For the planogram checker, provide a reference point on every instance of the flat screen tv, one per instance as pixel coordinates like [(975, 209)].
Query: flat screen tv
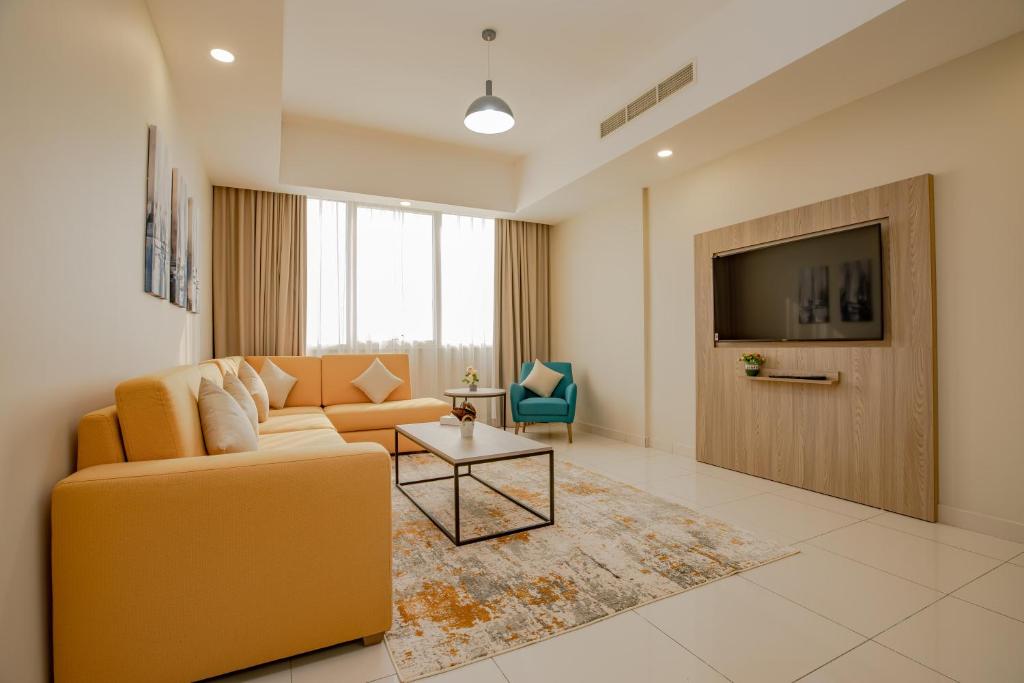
[(823, 287)]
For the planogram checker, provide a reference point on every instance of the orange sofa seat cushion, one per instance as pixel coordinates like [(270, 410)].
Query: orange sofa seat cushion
[(285, 420), (356, 417), (385, 437), (340, 370), (305, 369), (307, 438)]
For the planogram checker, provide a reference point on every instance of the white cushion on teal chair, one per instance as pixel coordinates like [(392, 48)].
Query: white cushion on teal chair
[(542, 380)]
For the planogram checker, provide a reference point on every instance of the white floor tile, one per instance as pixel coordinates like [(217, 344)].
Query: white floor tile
[(1001, 590), (928, 563), (278, 672), (963, 641), (480, 672), (349, 662), (749, 633), (982, 544), (863, 599), (875, 664), (640, 470), (779, 517), (831, 503), (623, 648), (1019, 560), (738, 477), (699, 491)]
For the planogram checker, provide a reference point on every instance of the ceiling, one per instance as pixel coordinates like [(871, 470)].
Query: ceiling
[(365, 100), (415, 69)]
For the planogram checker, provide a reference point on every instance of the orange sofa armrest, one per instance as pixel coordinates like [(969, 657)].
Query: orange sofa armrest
[(185, 568)]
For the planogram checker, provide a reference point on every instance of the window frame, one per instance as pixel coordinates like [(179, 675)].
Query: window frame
[(352, 267)]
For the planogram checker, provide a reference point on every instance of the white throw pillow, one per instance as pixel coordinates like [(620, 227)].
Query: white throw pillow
[(542, 380), (278, 382), (226, 429), (257, 389), (377, 382), (237, 390)]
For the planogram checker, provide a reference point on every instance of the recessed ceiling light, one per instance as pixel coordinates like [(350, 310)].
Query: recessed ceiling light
[(404, 203), (665, 153), (222, 55)]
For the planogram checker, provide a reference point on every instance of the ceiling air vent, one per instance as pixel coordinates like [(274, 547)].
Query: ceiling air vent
[(652, 97), (613, 122), (675, 82), (642, 104)]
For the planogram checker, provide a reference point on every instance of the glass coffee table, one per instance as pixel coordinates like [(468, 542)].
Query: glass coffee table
[(488, 444)]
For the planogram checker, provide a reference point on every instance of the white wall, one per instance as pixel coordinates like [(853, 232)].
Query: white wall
[(335, 156), (597, 314), (80, 82), (961, 122)]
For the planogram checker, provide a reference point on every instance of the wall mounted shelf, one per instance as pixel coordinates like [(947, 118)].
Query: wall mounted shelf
[(796, 376)]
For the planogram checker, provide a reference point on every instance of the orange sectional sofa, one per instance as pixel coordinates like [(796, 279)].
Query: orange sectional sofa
[(171, 565)]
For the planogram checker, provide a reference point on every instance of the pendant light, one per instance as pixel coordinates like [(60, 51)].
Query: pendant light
[(489, 114)]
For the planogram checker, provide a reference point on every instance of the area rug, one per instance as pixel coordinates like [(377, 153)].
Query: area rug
[(613, 547)]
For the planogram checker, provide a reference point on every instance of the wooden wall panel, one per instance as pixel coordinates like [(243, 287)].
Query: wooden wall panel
[(871, 438)]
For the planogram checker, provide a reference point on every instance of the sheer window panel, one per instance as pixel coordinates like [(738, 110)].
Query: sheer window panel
[(467, 281), (394, 275), (326, 274)]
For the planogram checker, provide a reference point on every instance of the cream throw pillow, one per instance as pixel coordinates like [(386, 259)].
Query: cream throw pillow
[(226, 429), (237, 390), (542, 380), (377, 382), (257, 389), (278, 382)]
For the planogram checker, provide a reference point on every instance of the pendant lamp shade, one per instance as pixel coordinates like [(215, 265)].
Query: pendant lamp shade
[(489, 114)]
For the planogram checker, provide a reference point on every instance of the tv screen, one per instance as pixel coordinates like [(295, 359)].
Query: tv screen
[(825, 287)]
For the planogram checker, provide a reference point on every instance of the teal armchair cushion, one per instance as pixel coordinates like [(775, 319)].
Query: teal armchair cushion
[(559, 407), (543, 406)]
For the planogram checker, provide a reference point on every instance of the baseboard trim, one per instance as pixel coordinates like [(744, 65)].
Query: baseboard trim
[(664, 445), (673, 447), (982, 523), (617, 435)]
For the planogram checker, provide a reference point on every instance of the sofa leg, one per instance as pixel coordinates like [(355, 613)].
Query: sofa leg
[(568, 428), (375, 639)]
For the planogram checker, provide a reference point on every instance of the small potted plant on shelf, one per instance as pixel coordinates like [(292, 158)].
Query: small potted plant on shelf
[(471, 378), (752, 363)]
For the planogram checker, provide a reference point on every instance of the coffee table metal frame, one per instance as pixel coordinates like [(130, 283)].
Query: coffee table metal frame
[(456, 537)]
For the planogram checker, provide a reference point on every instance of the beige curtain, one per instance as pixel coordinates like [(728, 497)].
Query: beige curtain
[(521, 324), (259, 272)]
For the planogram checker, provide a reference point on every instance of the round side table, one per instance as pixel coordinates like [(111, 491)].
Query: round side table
[(481, 392)]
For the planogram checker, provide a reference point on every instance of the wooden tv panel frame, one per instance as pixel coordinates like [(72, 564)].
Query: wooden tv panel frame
[(870, 436)]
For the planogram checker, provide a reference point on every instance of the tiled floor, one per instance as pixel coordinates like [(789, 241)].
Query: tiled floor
[(872, 597)]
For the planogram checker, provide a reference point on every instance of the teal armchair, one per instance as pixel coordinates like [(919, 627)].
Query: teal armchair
[(528, 407)]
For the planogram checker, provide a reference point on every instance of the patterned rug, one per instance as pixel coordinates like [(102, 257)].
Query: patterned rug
[(613, 547)]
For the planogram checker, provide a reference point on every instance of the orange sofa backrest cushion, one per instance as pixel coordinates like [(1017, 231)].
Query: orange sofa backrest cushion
[(340, 370), (159, 413), (305, 369)]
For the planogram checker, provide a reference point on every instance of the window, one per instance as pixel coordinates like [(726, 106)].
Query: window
[(326, 274), (467, 280), (393, 278), (394, 275)]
